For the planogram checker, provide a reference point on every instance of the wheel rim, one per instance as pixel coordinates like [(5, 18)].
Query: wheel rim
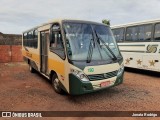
[(30, 68), (56, 84)]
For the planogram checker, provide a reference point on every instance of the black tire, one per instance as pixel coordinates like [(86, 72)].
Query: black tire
[(31, 69), (56, 84)]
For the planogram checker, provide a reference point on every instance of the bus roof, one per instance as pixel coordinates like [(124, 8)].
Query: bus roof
[(136, 23), (60, 20)]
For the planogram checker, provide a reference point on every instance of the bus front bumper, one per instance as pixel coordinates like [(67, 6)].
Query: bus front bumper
[(77, 87)]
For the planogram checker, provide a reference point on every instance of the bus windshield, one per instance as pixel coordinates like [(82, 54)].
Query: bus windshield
[(81, 41)]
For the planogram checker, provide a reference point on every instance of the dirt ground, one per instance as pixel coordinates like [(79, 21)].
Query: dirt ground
[(21, 90)]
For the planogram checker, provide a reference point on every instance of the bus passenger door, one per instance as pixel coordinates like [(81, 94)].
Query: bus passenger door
[(44, 39)]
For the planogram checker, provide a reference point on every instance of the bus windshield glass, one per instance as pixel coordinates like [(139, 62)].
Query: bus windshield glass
[(82, 42)]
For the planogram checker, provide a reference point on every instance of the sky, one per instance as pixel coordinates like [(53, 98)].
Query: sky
[(17, 16)]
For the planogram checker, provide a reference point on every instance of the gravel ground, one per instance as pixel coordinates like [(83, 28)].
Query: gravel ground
[(21, 90)]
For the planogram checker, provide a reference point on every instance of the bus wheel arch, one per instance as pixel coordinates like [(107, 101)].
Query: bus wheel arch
[(55, 83)]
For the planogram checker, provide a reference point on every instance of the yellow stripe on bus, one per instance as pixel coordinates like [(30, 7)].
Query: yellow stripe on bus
[(57, 66), (32, 56)]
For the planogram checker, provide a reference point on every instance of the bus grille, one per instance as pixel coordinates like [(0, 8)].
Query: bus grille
[(102, 76)]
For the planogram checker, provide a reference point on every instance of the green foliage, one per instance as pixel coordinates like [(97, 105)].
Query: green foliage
[(105, 21)]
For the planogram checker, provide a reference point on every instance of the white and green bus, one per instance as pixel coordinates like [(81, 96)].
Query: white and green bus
[(139, 44), (77, 56)]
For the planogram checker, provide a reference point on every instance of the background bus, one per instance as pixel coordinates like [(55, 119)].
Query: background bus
[(77, 56), (139, 44)]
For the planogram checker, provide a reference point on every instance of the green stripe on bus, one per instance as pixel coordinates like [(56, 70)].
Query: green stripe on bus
[(133, 51), (132, 45)]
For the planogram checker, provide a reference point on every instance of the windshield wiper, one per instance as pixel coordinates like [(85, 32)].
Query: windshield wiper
[(90, 52), (103, 42)]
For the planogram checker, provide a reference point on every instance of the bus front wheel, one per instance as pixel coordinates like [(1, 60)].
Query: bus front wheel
[(56, 84)]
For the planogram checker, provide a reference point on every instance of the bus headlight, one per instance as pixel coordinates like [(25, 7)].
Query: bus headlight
[(75, 72), (121, 69), (80, 75)]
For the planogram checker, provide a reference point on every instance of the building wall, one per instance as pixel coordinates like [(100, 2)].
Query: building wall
[(5, 55), (10, 48), (10, 53)]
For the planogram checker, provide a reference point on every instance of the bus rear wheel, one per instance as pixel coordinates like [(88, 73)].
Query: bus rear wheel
[(31, 69), (56, 84)]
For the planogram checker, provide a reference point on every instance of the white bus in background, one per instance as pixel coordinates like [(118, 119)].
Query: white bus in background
[(139, 44)]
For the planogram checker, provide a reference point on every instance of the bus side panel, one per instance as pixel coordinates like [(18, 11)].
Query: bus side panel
[(57, 64), (32, 55), (151, 62), (141, 55)]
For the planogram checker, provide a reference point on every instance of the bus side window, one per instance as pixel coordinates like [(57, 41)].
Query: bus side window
[(144, 32), (132, 33), (35, 39), (56, 41), (157, 32), (119, 34), (56, 44), (25, 39), (53, 42), (148, 32)]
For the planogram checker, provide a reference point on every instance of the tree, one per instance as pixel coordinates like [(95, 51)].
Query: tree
[(105, 21)]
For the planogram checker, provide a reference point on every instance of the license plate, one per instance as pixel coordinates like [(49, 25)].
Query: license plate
[(104, 84)]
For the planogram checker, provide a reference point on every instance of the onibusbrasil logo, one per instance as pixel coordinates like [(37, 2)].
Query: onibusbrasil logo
[(21, 114)]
